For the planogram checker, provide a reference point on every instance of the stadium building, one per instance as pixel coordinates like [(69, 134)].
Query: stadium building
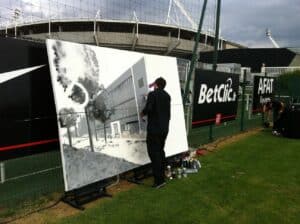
[(164, 27), (160, 27)]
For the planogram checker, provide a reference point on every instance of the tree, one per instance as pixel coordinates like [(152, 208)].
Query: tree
[(101, 110), (68, 118)]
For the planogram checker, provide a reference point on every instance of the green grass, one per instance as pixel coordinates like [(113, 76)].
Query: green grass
[(255, 180), (25, 207)]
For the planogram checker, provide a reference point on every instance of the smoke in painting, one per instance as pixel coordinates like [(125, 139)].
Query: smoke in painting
[(99, 93)]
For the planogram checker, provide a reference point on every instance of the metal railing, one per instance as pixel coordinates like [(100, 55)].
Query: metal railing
[(277, 71)]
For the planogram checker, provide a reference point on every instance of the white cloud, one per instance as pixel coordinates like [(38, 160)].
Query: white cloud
[(246, 22)]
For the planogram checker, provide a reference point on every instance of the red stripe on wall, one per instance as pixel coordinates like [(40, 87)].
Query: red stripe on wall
[(19, 146), (213, 119), (203, 121), (229, 116)]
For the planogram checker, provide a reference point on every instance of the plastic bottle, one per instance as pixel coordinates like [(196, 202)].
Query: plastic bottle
[(173, 174), (179, 173), (184, 174), (169, 173)]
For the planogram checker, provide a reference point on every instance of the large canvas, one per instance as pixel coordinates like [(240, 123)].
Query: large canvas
[(99, 93)]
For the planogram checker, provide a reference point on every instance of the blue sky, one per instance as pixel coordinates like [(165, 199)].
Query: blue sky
[(242, 21)]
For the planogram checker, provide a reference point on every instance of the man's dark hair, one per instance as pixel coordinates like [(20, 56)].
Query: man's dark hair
[(160, 82)]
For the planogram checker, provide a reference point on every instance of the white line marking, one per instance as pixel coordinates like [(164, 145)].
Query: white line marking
[(6, 76)]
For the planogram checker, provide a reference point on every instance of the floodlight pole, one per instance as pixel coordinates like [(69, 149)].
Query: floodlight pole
[(244, 73), (216, 44), (195, 54)]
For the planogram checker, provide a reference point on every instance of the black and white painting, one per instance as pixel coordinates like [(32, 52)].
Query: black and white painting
[(99, 93)]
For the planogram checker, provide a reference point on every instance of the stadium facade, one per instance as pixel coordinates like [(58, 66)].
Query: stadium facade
[(166, 27)]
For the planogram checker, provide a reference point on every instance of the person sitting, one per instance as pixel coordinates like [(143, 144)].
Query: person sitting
[(279, 116), (267, 110)]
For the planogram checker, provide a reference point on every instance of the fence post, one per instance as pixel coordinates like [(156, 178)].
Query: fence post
[(243, 99), (211, 133), (2, 173), (195, 54), (215, 55), (262, 110)]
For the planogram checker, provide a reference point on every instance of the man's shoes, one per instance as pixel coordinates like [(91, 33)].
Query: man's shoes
[(275, 133), (157, 186)]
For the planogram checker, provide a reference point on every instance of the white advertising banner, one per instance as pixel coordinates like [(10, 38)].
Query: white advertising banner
[(99, 93)]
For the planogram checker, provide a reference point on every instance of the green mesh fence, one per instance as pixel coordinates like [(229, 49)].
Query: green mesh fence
[(31, 178), (28, 181), (200, 136)]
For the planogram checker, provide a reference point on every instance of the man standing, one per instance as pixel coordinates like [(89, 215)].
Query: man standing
[(157, 110)]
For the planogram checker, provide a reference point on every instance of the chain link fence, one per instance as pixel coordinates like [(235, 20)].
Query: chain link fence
[(29, 182)]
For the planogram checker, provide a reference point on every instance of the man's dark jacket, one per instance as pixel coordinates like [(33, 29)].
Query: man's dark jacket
[(158, 111)]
